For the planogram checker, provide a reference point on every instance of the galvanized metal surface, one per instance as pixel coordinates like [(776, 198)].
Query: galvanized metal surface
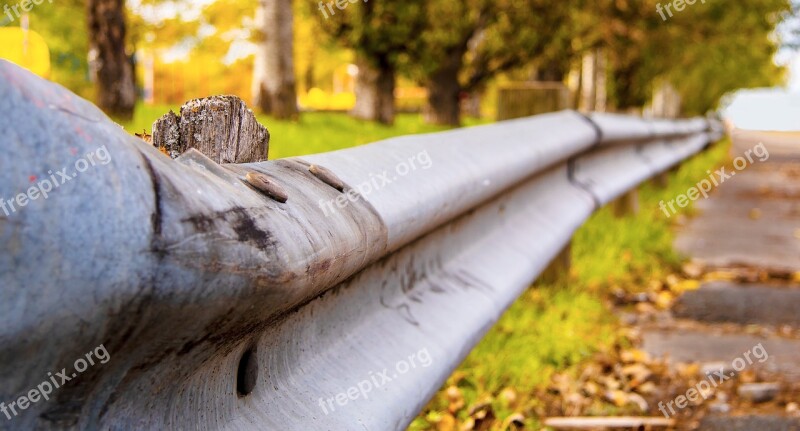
[(180, 267)]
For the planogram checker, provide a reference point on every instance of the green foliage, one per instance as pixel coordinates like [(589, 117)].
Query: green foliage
[(382, 32), (63, 26), (721, 47), (496, 36), (704, 51)]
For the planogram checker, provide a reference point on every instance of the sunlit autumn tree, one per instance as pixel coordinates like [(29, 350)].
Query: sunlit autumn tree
[(110, 63), (383, 34), (482, 39)]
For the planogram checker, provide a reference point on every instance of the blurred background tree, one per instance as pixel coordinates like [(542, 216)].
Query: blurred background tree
[(483, 38), (110, 63), (384, 36), (274, 87), (439, 56)]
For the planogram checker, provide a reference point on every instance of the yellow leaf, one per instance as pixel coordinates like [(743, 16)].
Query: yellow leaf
[(634, 355), (686, 285), (619, 398), (664, 300), (720, 276)]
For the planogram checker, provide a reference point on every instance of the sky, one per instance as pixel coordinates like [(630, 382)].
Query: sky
[(775, 109)]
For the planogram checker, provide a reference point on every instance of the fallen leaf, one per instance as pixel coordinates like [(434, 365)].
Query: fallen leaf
[(685, 286), (509, 395), (664, 300), (446, 423), (637, 373), (618, 398), (591, 388), (634, 355), (693, 269), (720, 276), (455, 398), (646, 388)]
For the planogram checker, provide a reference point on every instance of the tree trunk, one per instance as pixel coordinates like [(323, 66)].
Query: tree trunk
[(109, 63), (274, 86), (443, 92), (601, 81), (549, 72), (588, 82), (666, 101), (375, 92)]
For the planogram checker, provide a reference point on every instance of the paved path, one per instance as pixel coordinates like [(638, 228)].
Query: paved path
[(753, 218), (750, 222)]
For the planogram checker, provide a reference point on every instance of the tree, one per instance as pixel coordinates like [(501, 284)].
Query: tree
[(724, 47), (384, 34), (703, 51), (68, 48), (483, 38), (274, 83), (110, 64)]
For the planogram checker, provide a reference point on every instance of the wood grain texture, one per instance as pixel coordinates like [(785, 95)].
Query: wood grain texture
[(221, 127)]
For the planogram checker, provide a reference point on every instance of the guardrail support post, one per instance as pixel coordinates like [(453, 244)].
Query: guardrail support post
[(559, 267), (627, 204), (661, 180)]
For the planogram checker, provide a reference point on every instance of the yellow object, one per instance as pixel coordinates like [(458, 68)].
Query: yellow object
[(25, 48), (319, 100)]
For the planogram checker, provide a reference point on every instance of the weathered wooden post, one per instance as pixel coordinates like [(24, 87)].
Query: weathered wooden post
[(627, 204), (661, 180), (221, 127), (559, 267)]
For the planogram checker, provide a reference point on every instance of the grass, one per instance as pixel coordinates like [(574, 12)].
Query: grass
[(315, 132)]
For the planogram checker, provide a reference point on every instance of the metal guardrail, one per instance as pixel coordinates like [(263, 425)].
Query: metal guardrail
[(221, 307)]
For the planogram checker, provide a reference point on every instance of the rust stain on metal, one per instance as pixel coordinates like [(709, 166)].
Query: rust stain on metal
[(265, 185), (327, 177)]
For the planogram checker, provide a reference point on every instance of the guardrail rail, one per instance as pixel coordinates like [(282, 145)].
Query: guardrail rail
[(228, 306)]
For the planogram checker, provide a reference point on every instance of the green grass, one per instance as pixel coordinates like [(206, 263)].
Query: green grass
[(315, 132)]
